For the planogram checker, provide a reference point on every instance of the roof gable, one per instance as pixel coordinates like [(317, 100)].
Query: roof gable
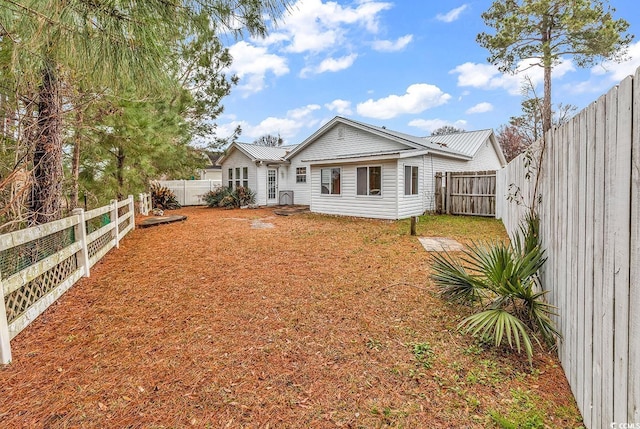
[(258, 153), (467, 142)]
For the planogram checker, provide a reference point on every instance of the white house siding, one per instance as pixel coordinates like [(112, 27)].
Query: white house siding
[(239, 159), (301, 191), (411, 205), (350, 204)]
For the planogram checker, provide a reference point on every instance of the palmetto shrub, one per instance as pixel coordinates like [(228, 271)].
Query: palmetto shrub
[(163, 197), (501, 282), (225, 197)]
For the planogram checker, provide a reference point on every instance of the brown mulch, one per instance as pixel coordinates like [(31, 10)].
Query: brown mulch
[(241, 318)]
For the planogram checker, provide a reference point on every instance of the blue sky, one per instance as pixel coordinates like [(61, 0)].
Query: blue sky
[(409, 66)]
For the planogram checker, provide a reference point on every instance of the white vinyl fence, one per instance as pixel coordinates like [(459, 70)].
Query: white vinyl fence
[(39, 264), (590, 227), (190, 192)]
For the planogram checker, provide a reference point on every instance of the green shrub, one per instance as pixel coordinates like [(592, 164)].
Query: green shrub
[(224, 197), (163, 198), (501, 282)]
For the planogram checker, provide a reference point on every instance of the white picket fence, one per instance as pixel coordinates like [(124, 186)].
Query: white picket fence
[(590, 227), (190, 192), (39, 264)]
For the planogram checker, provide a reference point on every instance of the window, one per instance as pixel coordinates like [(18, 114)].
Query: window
[(230, 178), (245, 177), (237, 177), (369, 180), (410, 180), (301, 175), (330, 181)]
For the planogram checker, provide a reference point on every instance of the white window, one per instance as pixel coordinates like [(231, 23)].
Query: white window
[(237, 177), (230, 178), (369, 180), (330, 181), (301, 175), (410, 180), (245, 177)]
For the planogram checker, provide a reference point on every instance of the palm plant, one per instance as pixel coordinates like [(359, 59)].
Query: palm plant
[(501, 280)]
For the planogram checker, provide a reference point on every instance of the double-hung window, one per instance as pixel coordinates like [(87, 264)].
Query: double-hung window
[(245, 177), (330, 181), (237, 177), (410, 180), (230, 178), (369, 180), (301, 175)]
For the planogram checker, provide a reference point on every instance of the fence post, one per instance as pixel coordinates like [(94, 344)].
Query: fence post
[(132, 212), (115, 220), (448, 193), (81, 234), (5, 338)]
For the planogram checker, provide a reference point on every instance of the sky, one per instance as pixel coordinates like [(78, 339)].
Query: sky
[(411, 66)]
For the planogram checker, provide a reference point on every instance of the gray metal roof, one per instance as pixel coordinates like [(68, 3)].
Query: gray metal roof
[(467, 142), (265, 153)]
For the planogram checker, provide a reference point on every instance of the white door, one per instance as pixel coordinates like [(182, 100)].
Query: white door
[(272, 186)]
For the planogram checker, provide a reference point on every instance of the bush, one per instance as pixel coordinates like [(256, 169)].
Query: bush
[(224, 197), (501, 282), (163, 198)]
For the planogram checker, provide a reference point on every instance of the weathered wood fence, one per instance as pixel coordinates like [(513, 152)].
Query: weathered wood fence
[(39, 264), (590, 226), (190, 192), (466, 193)]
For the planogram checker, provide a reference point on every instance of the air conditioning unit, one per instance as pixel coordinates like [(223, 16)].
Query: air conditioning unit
[(285, 198)]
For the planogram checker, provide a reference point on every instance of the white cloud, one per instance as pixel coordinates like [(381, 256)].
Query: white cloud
[(619, 71), (252, 63), (430, 125), (315, 26), (452, 15), (341, 107), (287, 127), (480, 108), (488, 77), (330, 65), (392, 46), (418, 98)]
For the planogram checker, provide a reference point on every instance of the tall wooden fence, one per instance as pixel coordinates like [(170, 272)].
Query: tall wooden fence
[(466, 193), (590, 226), (39, 264)]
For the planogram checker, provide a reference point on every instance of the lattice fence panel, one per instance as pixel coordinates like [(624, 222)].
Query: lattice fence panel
[(98, 222), (124, 224), (20, 257), (96, 245), (20, 300)]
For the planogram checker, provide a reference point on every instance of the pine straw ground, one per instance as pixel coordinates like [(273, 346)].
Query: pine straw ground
[(318, 322)]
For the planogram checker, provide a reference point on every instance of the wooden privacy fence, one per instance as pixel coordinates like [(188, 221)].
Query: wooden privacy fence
[(590, 226), (466, 193), (39, 264), (190, 192)]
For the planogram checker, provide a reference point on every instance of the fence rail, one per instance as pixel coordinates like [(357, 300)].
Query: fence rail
[(39, 264), (590, 225), (466, 193)]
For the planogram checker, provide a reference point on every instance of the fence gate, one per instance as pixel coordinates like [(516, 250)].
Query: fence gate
[(466, 193)]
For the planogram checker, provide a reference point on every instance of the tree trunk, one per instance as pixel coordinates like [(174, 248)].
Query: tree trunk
[(120, 158), (75, 165), (46, 195), (546, 104)]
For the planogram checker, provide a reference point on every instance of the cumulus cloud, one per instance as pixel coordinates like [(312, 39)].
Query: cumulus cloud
[(488, 77), (287, 127), (341, 107), (480, 108), (252, 63), (619, 71), (315, 26), (392, 45), (330, 65), (430, 125), (418, 98), (452, 15)]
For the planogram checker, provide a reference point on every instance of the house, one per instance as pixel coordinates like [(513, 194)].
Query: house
[(212, 170), (356, 169)]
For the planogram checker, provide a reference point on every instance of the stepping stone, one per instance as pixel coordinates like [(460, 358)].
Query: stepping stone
[(160, 220), (440, 244)]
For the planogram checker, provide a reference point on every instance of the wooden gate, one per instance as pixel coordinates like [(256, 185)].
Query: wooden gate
[(466, 193)]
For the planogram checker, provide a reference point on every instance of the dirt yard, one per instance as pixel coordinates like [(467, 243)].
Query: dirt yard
[(245, 319)]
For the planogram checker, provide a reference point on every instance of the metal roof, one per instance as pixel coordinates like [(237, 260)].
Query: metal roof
[(467, 142), (265, 153)]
